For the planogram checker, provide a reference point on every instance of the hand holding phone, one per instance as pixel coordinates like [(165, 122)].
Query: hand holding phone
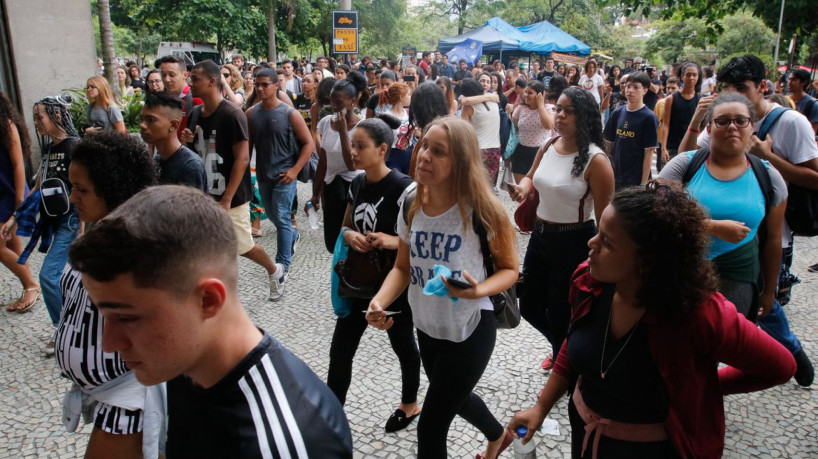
[(458, 283)]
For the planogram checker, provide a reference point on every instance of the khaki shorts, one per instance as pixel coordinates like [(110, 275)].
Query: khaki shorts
[(241, 223)]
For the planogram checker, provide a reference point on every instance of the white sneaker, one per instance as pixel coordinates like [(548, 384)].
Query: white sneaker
[(277, 282)]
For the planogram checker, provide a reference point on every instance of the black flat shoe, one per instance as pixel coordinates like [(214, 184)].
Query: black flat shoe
[(399, 421)]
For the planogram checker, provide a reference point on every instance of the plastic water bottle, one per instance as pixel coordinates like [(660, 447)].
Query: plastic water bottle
[(313, 215), (521, 451)]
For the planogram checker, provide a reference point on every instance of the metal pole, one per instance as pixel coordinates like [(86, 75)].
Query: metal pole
[(778, 36), (346, 5)]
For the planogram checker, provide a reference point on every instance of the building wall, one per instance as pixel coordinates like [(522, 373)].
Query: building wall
[(52, 43)]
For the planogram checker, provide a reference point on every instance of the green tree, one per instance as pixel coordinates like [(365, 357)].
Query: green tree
[(744, 33), (674, 40)]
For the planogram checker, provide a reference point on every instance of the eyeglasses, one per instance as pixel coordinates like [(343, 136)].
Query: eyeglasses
[(568, 110), (724, 123), (155, 82)]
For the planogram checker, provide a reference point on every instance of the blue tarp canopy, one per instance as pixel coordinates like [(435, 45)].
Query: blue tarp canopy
[(492, 39), (542, 37)]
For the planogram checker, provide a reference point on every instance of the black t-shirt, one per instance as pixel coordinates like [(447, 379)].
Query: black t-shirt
[(373, 101), (59, 158), (632, 390), (545, 77), (461, 75), (270, 405), (220, 131), (302, 104), (183, 168), (138, 84), (376, 205), (651, 97), (631, 133)]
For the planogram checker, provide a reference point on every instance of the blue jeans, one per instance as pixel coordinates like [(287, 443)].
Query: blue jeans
[(55, 261), (278, 201), (776, 325)]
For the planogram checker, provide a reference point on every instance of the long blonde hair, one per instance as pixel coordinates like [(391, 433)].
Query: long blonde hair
[(106, 97), (236, 81), (470, 184)]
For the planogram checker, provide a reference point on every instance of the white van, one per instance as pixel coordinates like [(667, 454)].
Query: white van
[(192, 52)]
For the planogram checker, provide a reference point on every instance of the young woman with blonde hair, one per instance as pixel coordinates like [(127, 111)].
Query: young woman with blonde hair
[(456, 333), (103, 112), (232, 86)]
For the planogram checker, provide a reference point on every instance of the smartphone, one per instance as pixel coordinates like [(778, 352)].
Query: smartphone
[(459, 283), (388, 313)]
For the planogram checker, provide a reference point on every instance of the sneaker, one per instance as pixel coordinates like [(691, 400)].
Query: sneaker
[(813, 268), (49, 348), (804, 373), (277, 282), (296, 237)]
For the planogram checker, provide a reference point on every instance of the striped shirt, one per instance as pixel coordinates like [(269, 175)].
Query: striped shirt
[(271, 405), (79, 354)]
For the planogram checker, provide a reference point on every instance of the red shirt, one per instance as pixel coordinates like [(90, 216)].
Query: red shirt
[(183, 124), (687, 352)]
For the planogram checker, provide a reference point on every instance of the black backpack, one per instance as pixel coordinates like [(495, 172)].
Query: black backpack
[(802, 203), (760, 171)]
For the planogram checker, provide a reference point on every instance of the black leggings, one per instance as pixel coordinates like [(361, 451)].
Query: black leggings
[(550, 261), (347, 336), (453, 370), (334, 199)]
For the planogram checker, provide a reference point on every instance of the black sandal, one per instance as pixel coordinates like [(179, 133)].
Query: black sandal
[(399, 421)]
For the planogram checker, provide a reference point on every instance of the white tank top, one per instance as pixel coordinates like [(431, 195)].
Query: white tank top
[(563, 197), (486, 123)]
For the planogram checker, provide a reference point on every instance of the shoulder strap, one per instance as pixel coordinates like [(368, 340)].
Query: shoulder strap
[(294, 146), (193, 116), (488, 260), (763, 177), (188, 102), (769, 122), (695, 164)]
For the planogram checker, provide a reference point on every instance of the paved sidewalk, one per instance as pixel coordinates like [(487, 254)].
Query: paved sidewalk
[(780, 422)]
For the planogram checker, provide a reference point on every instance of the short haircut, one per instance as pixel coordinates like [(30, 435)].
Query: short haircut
[(740, 69), (170, 59), (801, 75), (286, 61), (549, 59), (210, 70), (268, 73), (164, 99), (163, 236), (536, 86), (118, 165), (521, 82), (471, 87), (641, 78), (673, 80)]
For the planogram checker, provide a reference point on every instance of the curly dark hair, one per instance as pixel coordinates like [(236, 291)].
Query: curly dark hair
[(9, 113), (324, 90), (588, 124), (740, 69), (118, 165), (669, 230)]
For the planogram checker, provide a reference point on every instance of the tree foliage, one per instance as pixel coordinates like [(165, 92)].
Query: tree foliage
[(676, 40), (744, 33)]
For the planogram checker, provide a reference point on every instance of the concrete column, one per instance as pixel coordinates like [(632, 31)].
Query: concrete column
[(53, 46)]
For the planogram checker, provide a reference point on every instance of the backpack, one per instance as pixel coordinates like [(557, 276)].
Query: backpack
[(802, 203), (759, 170), (307, 172)]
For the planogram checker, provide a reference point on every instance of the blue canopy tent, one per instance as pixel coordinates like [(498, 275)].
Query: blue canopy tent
[(542, 37), (492, 39)]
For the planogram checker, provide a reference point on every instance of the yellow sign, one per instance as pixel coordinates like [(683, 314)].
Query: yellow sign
[(346, 41)]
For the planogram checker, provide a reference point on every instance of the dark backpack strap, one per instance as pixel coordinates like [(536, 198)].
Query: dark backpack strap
[(763, 176), (769, 122), (695, 164), (188, 103), (193, 117), (488, 260)]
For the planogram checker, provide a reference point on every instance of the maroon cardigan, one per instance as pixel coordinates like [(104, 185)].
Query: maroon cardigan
[(688, 352)]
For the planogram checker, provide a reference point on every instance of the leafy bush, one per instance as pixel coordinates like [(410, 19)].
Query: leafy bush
[(131, 108)]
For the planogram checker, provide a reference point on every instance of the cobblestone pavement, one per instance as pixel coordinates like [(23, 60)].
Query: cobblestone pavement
[(780, 422)]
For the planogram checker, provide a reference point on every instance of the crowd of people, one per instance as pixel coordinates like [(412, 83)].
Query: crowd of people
[(658, 278)]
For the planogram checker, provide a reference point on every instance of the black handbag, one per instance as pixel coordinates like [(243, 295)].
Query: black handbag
[(53, 194), (506, 308), (361, 274)]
